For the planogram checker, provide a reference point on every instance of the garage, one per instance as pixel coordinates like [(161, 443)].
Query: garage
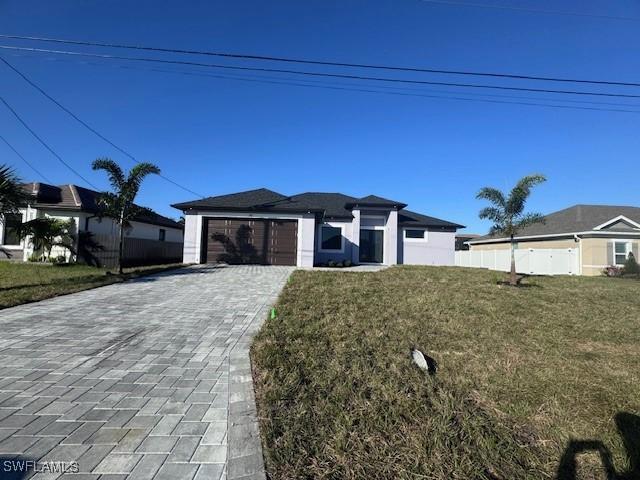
[(251, 241)]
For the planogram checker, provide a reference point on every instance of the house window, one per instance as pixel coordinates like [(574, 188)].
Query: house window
[(11, 223), (413, 233), (621, 252), (162, 234), (330, 238)]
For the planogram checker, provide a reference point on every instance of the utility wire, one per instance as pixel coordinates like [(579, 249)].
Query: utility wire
[(87, 126), (45, 143), (315, 74), (42, 175), (319, 62), (443, 94), (324, 84), (534, 10)]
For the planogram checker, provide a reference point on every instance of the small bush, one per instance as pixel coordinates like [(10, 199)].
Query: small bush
[(331, 263), (612, 271), (348, 263), (631, 266)]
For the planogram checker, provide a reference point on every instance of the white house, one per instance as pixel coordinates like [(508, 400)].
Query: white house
[(266, 227), (150, 230)]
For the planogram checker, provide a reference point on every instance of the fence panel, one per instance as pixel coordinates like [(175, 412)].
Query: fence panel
[(531, 261), (136, 251)]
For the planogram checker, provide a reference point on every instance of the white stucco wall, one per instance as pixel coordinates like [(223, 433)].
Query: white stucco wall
[(306, 241), (192, 238), (347, 243), (391, 239), (107, 226), (437, 249)]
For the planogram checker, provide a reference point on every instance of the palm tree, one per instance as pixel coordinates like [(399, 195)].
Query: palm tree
[(12, 195), (119, 203), (46, 233), (507, 212)]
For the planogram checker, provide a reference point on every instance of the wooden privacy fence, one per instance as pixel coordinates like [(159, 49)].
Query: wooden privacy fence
[(539, 261), (137, 251)]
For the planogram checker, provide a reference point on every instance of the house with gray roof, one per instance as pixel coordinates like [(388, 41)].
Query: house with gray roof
[(314, 228), (604, 235), (150, 237)]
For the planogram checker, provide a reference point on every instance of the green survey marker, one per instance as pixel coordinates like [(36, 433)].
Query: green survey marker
[(273, 313)]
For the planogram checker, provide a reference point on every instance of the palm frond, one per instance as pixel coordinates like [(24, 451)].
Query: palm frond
[(519, 194), (492, 213), (12, 194), (494, 195), (529, 219), (115, 173), (137, 174)]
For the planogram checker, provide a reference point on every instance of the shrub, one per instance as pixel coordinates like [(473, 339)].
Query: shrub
[(631, 266), (612, 271), (331, 263), (348, 263)]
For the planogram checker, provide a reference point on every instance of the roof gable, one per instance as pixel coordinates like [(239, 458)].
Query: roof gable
[(619, 223)]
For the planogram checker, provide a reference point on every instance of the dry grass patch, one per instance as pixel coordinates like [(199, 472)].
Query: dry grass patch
[(522, 372)]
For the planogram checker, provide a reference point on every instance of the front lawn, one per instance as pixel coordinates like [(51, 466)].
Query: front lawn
[(526, 375), (30, 282)]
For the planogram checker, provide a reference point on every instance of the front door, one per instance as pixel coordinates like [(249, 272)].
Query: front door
[(371, 242)]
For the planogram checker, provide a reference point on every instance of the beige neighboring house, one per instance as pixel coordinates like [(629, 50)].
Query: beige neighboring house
[(151, 238), (603, 234)]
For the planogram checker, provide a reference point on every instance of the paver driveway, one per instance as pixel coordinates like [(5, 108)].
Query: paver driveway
[(148, 378)]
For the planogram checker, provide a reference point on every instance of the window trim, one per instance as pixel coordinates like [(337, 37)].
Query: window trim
[(328, 225), (424, 239), (628, 247)]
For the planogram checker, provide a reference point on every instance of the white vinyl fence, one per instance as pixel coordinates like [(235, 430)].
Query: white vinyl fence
[(539, 261)]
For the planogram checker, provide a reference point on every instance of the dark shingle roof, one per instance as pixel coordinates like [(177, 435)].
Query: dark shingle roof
[(331, 205), (73, 197), (407, 218), (240, 200), (579, 218), (375, 201)]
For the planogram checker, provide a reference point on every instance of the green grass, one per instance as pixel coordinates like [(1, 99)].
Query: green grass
[(30, 282), (522, 372)]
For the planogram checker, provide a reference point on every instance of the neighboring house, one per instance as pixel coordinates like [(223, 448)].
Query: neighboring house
[(462, 239), (151, 236), (263, 226), (603, 234)]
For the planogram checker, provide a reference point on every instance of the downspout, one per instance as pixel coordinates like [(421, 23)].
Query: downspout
[(579, 242)]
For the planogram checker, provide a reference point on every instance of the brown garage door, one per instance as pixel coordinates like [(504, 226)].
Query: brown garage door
[(246, 241)]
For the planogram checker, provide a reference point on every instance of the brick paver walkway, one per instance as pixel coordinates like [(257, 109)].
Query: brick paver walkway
[(148, 379)]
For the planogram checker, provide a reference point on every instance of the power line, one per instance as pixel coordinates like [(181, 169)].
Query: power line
[(315, 74), (320, 62), (534, 10), (42, 175), (87, 126), (45, 143), (443, 94), (324, 84)]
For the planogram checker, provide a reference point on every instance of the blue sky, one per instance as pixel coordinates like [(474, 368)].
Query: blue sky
[(223, 135)]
